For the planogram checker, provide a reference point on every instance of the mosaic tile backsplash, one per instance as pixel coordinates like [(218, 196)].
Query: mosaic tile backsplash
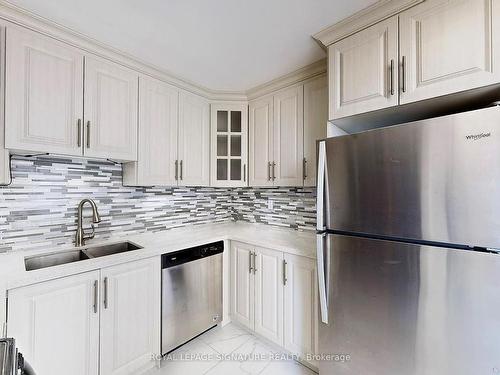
[(39, 208)]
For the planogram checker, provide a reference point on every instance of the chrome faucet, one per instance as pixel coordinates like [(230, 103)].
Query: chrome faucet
[(80, 236)]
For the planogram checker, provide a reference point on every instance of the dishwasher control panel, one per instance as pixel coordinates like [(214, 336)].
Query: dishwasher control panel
[(188, 255)]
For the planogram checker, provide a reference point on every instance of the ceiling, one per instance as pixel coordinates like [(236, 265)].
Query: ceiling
[(231, 45)]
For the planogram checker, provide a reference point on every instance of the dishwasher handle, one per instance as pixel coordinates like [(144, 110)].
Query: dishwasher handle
[(179, 257)]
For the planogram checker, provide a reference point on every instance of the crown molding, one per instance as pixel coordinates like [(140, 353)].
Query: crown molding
[(299, 75), (366, 17), (24, 18)]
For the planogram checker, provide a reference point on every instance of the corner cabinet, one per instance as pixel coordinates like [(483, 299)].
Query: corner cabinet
[(229, 141), (98, 322), (435, 48)]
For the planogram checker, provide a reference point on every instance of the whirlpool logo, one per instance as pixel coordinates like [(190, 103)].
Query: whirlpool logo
[(476, 137)]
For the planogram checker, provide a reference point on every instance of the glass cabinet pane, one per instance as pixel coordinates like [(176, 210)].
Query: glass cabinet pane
[(222, 145), (222, 119), (235, 145), (235, 169), (222, 169), (236, 121)]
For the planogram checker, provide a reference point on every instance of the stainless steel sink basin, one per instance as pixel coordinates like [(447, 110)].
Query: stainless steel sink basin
[(63, 257), (115, 248), (54, 259)]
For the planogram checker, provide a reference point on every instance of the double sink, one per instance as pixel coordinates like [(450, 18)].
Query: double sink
[(63, 257)]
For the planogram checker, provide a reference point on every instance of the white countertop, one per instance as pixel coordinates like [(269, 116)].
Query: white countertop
[(13, 273)]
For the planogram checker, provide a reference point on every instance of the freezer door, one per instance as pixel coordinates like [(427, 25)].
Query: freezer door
[(435, 180), (397, 308)]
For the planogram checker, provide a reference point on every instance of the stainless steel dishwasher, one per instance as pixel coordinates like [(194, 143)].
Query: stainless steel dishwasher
[(191, 293)]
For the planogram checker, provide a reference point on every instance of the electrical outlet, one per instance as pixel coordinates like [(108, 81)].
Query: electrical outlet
[(270, 204)]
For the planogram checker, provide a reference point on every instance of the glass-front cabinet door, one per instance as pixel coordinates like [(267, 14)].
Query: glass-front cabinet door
[(229, 144)]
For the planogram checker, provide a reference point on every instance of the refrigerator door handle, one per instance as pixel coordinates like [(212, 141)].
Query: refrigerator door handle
[(322, 276), (320, 200)]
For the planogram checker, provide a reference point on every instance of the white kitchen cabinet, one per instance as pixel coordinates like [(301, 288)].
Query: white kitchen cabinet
[(260, 141), (194, 140), (363, 70), (229, 139), (300, 305), (44, 94), (448, 46), (288, 137), (56, 324), (269, 294), (242, 284), (157, 138), (111, 100), (4, 153), (130, 316), (315, 124)]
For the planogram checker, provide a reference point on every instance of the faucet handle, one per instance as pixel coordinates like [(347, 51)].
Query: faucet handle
[(91, 235)]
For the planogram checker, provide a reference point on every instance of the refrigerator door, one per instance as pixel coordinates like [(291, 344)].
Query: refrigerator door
[(436, 180), (397, 308)]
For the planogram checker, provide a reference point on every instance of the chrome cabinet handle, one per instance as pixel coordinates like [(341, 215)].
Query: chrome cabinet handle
[(176, 170), (250, 268), (274, 176), (105, 292), (392, 77), (320, 198), (96, 296), (304, 169), (244, 173), (269, 166), (284, 272), (181, 171), (403, 73), (88, 134), (79, 129), (254, 263), (320, 257)]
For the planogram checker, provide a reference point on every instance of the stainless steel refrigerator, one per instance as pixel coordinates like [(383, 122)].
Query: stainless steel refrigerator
[(408, 248)]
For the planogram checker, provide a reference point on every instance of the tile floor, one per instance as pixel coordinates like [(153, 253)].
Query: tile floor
[(229, 351)]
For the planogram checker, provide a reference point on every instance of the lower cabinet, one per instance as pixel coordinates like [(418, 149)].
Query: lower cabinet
[(275, 295), (98, 322)]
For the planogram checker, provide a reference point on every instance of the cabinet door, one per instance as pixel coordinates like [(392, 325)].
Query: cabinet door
[(110, 110), (194, 140), (363, 70), (269, 294), (260, 142), (449, 46), (56, 324), (301, 315), (288, 137), (157, 138), (229, 145), (44, 94), (315, 124), (242, 282), (130, 316)]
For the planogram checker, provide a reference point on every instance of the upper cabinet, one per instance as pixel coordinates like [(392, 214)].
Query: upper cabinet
[(445, 47), (276, 139), (111, 93), (53, 106), (448, 46), (194, 140), (157, 136), (315, 120), (44, 94), (229, 144), (283, 130), (363, 70), (288, 137)]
